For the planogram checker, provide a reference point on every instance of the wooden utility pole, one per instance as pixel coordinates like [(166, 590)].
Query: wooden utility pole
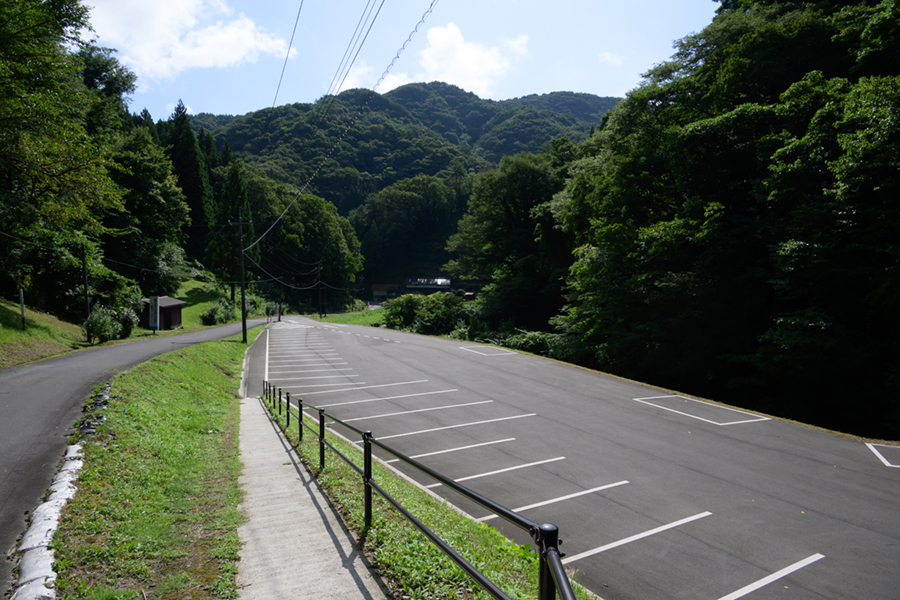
[(240, 223), (87, 302)]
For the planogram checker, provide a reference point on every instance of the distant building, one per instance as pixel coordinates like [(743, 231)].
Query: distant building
[(427, 285), (169, 313)]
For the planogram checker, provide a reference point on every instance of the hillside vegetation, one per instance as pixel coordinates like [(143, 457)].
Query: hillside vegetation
[(416, 129)]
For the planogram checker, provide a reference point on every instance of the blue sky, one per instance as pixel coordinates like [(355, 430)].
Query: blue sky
[(226, 56)]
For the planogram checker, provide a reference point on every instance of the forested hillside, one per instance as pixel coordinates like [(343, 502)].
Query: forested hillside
[(99, 206), (417, 129), (732, 229)]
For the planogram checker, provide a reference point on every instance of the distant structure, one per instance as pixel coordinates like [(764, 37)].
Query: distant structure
[(426, 285), (169, 313), (411, 285)]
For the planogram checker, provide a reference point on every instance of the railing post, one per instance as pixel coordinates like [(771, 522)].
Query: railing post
[(279, 402), (548, 539), (367, 479), (299, 421), (321, 439), (288, 410)]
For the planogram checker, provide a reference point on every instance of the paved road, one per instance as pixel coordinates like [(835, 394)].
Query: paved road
[(657, 496), (39, 402)]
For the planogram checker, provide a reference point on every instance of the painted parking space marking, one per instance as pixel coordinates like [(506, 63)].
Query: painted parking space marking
[(560, 499), (294, 370), (318, 385), (316, 377), (369, 387), (693, 408), (893, 453), (773, 577), (399, 435), (418, 410), (458, 449), (367, 400), (499, 471), (487, 350), (633, 538)]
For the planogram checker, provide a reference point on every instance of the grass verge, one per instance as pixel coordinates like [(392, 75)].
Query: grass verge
[(372, 318), (44, 335), (156, 515), (413, 567)]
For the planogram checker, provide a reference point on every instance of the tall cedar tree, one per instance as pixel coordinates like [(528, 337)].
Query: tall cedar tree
[(193, 179)]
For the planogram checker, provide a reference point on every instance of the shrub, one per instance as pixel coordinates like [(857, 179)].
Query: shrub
[(101, 325), (439, 314), (401, 312), (210, 316)]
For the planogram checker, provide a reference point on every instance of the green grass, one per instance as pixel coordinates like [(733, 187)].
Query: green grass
[(199, 297), (156, 514), (371, 318), (44, 335), (412, 566)]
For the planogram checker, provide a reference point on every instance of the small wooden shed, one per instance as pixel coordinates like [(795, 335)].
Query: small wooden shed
[(169, 313)]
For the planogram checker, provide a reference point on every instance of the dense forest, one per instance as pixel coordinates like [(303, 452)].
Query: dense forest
[(730, 229)]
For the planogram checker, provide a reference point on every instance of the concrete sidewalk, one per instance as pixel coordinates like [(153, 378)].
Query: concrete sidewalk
[(294, 545)]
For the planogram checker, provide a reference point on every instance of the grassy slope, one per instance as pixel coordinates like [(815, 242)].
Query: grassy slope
[(44, 335), (369, 317), (47, 336), (156, 514)]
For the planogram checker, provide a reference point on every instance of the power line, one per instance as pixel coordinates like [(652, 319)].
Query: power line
[(280, 79), (352, 122)]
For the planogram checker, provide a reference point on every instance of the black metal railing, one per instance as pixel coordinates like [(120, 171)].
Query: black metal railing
[(552, 579)]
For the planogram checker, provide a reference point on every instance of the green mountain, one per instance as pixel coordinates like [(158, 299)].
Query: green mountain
[(346, 147)]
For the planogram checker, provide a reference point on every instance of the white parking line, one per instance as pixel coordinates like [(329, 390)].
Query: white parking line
[(497, 472), (293, 387), (385, 398), (633, 538), (560, 499), (373, 386), (293, 360), (294, 370), (773, 577), (755, 419), (418, 410), (881, 457), (315, 371), (397, 435), (455, 449), (317, 377)]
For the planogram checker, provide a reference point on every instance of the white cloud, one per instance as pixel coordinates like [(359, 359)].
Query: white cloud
[(448, 58), (471, 66), (610, 58), (519, 45), (162, 38)]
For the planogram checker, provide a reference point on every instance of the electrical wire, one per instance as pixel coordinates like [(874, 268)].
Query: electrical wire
[(262, 140), (352, 122)]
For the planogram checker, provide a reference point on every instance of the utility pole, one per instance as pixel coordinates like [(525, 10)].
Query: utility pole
[(87, 302), (240, 223)]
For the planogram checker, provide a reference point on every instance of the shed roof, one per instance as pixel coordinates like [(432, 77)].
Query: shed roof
[(166, 302)]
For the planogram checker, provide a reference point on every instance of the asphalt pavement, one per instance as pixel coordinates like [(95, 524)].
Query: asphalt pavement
[(40, 402), (657, 495)]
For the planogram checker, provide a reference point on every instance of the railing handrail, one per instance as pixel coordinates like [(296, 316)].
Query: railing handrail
[(552, 577)]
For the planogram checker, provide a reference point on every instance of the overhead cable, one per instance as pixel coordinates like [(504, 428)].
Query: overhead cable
[(352, 122)]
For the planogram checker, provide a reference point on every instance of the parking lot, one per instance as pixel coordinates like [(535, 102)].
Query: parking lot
[(656, 494)]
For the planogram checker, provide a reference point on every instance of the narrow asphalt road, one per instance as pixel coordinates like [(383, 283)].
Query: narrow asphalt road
[(39, 403)]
